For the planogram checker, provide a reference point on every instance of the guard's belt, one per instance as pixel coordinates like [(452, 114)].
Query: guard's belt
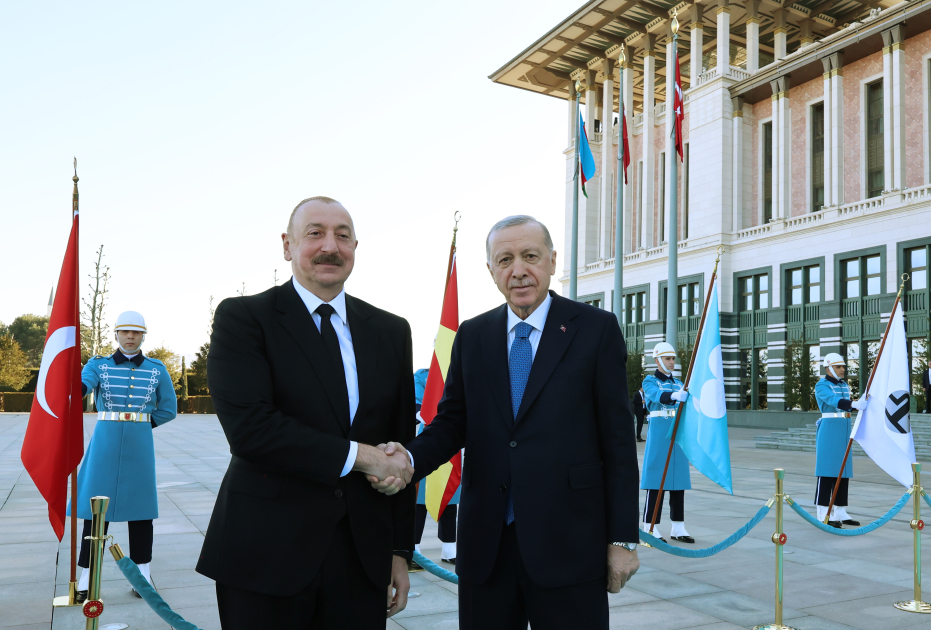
[(665, 413), (838, 414), (123, 416)]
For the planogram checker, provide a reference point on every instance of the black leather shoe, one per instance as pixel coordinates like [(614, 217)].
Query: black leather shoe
[(135, 593), (448, 560), (80, 597), (640, 439), (684, 539), (836, 524), (851, 522)]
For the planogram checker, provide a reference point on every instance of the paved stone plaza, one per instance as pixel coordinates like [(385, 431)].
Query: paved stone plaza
[(832, 583)]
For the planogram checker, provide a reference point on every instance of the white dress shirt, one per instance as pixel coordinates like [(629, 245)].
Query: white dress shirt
[(341, 326), (537, 319)]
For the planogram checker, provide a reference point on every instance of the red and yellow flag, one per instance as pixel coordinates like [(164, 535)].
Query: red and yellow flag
[(443, 483)]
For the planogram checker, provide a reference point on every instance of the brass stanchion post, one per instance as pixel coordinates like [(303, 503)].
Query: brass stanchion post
[(779, 539), (93, 607), (916, 605)]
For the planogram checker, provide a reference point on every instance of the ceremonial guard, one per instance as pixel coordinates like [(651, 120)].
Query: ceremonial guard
[(663, 392), (832, 434), (133, 395)]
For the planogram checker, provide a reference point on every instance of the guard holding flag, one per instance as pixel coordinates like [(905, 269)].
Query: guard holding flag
[(134, 394), (663, 393), (833, 433)]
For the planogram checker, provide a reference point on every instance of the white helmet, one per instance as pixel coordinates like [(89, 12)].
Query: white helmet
[(130, 320), (663, 349), (833, 359)]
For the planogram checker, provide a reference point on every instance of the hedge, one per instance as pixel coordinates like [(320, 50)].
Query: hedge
[(21, 402)]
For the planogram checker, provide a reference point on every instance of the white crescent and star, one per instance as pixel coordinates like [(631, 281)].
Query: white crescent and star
[(58, 342)]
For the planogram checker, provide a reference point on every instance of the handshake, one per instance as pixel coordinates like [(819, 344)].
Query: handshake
[(386, 466)]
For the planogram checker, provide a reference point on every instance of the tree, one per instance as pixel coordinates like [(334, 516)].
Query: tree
[(791, 384), (684, 356), (29, 331), (197, 376), (93, 325), (14, 373), (636, 371), (184, 395), (921, 359), (171, 360)]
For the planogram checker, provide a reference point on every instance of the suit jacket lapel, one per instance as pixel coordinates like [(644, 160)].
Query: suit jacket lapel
[(365, 347), (297, 320), (558, 332), (495, 353)]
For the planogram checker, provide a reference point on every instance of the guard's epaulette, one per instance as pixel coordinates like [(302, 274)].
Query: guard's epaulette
[(155, 361), (98, 356)]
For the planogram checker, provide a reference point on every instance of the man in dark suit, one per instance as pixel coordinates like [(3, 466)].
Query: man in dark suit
[(304, 379), (536, 392), (640, 410)]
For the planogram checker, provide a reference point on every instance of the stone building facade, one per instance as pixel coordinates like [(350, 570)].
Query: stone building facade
[(812, 171)]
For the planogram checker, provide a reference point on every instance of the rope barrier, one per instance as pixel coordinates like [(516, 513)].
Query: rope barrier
[(432, 568), (655, 542), (151, 596), (859, 531), (924, 495)]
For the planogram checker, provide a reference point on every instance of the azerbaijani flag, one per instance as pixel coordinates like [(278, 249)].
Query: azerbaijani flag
[(444, 481), (586, 160)]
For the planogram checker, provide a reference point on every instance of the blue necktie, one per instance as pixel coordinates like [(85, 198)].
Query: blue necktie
[(519, 362)]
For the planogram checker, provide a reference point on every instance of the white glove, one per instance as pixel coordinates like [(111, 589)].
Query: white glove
[(680, 395), (860, 405)]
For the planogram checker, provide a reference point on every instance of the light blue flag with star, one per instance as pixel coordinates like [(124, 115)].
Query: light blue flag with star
[(702, 430)]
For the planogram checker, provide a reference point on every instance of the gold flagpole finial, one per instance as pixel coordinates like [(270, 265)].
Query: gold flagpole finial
[(456, 217), (74, 194), (720, 250)]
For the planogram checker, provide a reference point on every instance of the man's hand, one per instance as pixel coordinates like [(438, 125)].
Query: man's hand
[(680, 395), (622, 564), (400, 586), (389, 485), (861, 404), (392, 471)]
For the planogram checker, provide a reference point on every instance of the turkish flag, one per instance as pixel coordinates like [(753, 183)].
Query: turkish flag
[(54, 442), (679, 110), (626, 145)]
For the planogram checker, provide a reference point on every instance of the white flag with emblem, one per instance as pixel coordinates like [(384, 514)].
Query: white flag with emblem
[(883, 428)]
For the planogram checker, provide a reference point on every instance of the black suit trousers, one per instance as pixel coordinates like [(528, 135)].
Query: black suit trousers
[(509, 599), (339, 597)]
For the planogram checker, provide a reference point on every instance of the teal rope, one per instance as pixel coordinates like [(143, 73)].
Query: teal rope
[(859, 531), (432, 568), (151, 596), (925, 497), (707, 551)]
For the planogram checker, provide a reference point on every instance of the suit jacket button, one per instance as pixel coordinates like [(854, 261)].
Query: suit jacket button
[(504, 487), (513, 444), (338, 494)]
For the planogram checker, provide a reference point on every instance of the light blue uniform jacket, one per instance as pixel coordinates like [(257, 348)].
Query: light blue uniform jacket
[(657, 446), (420, 384), (120, 459), (832, 433)]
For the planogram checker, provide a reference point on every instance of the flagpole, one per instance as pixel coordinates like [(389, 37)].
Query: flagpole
[(619, 205), (672, 284), (452, 249), (688, 376), (72, 589), (574, 250), (866, 393)]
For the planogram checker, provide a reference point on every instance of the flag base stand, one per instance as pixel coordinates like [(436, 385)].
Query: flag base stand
[(916, 605), (63, 601), (773, 626)]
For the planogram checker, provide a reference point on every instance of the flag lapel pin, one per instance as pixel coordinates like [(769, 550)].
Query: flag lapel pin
[(562, 328)]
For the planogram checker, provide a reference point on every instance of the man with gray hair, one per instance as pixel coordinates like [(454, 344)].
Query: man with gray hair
[(536, 392)]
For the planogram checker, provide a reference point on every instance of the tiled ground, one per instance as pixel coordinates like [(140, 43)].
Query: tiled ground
[(832, 583)]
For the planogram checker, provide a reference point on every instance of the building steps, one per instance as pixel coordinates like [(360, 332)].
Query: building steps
[(803, 439)]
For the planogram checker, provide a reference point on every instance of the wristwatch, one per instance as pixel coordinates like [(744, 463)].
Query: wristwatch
[(627, 546)]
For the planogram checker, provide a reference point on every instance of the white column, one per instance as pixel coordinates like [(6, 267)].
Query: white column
[(738, 165), (608, 159), (591, 103), (779, 33), (899, 161), (753, 44), (837, 128), (649, 185), (630, 239), (571, 134), (888, 138), (777, 133), (667, 130), (785, 144), (696, 43), (828, 154), (724, 38)]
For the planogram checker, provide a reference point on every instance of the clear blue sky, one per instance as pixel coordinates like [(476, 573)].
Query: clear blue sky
[(198, 126)]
